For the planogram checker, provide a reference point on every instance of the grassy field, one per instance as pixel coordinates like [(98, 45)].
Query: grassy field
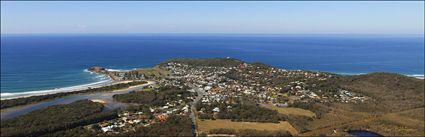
[(207, 125), (336, 119), (290, 111), (404, 123), (157, 71)]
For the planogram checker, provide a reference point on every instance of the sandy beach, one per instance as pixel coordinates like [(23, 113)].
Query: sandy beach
[(417, 76), (57, 90), (101, 97), (108, 82)]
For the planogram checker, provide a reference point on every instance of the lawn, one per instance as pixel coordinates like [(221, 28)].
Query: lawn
[(290, 110), (153, 71), (207, 125)]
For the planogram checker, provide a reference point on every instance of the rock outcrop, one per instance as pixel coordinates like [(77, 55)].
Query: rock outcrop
[(97, 69)]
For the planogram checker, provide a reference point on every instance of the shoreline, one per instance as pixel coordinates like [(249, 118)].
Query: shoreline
[(6, 96), (101, 97), (110, 81), (62, 90), (418, 76), (113, 91)]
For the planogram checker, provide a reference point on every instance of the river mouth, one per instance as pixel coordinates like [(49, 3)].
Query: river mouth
[(105, 97), (364, 133)]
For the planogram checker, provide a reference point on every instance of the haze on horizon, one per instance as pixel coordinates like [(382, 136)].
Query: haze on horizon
[(305, 17)]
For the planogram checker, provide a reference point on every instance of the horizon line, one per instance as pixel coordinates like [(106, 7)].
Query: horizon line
[(92, 33)]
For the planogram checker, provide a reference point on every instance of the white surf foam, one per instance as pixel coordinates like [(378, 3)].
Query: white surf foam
[(117, 70), (104, 81), (86, 70), (419, 76), (349, 74)]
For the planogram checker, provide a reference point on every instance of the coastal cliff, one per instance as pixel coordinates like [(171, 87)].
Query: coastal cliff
[(97, 69), (136, 74)]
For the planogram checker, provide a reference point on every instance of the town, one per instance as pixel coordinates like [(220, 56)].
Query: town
[(225, 97), (222, 84)]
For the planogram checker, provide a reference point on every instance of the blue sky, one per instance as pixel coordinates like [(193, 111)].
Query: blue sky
[(304, 17)]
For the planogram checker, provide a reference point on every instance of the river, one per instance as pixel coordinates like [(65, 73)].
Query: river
[(110, 103)]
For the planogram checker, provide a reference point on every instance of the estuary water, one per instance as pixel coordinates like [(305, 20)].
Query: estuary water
[(364, 133)]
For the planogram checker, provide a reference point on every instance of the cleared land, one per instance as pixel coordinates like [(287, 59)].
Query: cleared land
[(207, 125), (290, 111), (155, 71), (336, 119), (391, 124)]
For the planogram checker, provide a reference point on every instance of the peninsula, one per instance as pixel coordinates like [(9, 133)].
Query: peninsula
[(227, 97)]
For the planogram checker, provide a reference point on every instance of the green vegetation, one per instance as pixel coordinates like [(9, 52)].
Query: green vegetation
[(393, 105), (391, 92), (33, 99), (245, 112), (141, 97), (299, 122), (250, 132), (154, 98), (206, 126), (133, 108), (261, 65), (74, 132), (317, 108), (174, 126), (251, 113), (218, 62), (290, 110), (145, 73), (56, 118)]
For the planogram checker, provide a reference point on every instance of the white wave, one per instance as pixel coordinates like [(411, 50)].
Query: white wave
[(86, 70), (102, 77), (7, 94), (419, 76), (104, 80), (56, 90), (98, 76), (349, 74), (117, 70)]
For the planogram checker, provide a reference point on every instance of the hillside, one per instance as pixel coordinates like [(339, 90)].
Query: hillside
[(232, 97), (217, 62), (391, 92), (396, 107)]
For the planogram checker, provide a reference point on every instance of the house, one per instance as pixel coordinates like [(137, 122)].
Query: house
[(216, 109), (281, 104), (162, 117), (207, 87)]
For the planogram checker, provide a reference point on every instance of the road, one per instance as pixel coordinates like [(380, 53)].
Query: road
[(201, 93)]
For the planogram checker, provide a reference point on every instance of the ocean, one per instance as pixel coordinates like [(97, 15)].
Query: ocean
[(38, 63)]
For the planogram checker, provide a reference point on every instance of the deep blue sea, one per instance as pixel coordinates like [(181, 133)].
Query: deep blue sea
[(40, 62)]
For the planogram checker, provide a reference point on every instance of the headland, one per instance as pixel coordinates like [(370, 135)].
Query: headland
[(225, 96)]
